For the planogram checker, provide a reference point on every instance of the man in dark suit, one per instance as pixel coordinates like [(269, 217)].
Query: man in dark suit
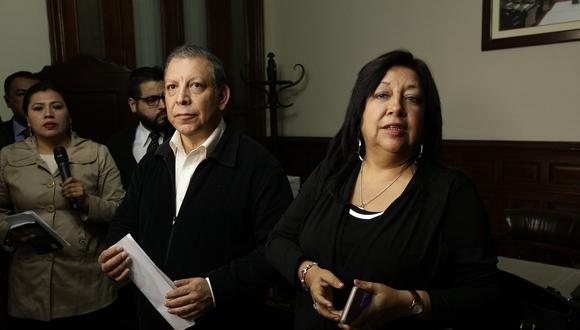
[(146, 101), (15, 86), (201, 206)]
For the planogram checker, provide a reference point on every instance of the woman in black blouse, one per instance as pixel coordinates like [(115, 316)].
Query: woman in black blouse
[(379, 213)]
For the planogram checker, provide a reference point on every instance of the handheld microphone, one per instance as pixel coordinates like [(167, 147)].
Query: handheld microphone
[(61, 158)]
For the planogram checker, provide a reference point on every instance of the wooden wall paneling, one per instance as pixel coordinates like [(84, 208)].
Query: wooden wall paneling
[(220, 42), (90, 28), (512, 201), (521, 172), (116, 17), (172, 25), (118, 31), (567, 202), (236, 36), (219, 29), (529, 174), (255, 64), (482, 171), (565, 174), (63, 31)]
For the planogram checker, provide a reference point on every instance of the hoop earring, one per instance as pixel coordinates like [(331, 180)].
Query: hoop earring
[(359, 149), (420, 155), (29, 131)]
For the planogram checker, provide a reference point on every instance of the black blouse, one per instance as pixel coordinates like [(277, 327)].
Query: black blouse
[(434, 237)]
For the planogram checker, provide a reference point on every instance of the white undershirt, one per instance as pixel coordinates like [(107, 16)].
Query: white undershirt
[(50, 162), (185, 165)]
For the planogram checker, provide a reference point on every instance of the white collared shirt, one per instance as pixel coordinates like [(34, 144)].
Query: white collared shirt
[(185, 166), (141, 142)]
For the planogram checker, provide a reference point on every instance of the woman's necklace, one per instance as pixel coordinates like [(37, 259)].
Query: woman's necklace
[(362, 202)]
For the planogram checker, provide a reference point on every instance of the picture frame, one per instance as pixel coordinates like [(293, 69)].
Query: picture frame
[(493, 37)]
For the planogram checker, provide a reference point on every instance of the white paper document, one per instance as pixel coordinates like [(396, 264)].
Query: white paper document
[(152, 282)]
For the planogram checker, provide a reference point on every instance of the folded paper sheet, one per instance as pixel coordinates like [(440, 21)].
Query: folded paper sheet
[(152, 282)]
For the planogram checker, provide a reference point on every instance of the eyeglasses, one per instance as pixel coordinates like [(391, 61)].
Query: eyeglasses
[(152, 100)]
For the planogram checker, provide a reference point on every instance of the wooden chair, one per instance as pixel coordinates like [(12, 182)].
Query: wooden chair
[(97, 94), (546, 236)]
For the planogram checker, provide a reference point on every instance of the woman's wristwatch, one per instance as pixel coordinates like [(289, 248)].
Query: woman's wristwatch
[(416, 306)]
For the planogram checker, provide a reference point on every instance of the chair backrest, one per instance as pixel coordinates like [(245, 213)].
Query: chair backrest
[(97, 92), (547, 236)]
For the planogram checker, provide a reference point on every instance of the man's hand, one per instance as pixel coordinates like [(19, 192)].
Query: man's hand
[(115, 263), (191, 299)]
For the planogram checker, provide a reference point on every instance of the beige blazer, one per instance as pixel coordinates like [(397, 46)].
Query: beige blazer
[(67, 282)]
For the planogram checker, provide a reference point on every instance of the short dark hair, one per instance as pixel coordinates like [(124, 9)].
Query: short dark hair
[(193, 51), (42, 86), (142, 75), (19, 74), (343, 147)]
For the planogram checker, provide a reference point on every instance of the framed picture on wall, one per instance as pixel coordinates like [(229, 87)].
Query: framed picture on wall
[(519, 23)]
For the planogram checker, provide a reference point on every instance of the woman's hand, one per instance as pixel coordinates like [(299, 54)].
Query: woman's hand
[(72, 188), (17, 239), (387, 304), (321, 282)]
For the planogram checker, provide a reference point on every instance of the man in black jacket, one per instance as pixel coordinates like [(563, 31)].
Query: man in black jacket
[(146, 101), (202, 206)]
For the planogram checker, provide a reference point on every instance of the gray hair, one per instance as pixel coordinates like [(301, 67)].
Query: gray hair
[(194, 51)]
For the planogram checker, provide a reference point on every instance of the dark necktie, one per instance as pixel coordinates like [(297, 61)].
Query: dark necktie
[(154, 143)]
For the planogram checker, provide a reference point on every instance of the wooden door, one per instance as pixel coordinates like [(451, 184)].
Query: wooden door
[(102, 28), (103, 31)]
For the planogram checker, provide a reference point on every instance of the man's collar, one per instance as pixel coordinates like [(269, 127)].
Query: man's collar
[(225, 152), (209, 144)]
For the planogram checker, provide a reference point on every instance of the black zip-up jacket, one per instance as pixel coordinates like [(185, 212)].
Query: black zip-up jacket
[(233, 200)]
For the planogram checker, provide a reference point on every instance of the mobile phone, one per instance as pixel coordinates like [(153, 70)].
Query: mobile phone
[(357, 301)]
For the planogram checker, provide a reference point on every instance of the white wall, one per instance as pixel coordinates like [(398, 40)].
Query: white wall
[(529, 93), (24, 40)]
